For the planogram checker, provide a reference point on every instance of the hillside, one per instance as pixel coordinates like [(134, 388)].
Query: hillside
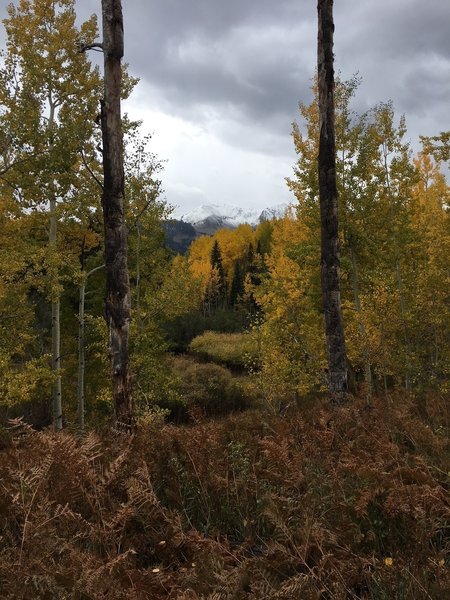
[(178, 235)]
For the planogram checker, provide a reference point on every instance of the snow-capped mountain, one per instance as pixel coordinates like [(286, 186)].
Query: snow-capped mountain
[(274, 212), (208, 218), (182, 230)]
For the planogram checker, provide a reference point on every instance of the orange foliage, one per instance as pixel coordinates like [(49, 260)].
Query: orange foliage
[(234, 245), (338, 504)]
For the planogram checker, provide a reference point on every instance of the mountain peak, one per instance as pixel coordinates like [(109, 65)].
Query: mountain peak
[(208, 218)]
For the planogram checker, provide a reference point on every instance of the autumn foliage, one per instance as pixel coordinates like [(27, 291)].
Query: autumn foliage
[(241, 481), (323, 503)]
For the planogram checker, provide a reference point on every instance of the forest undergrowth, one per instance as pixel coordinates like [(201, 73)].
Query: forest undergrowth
[(322, 503)]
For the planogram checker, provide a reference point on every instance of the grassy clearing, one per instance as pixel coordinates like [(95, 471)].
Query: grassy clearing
[(235, 350)]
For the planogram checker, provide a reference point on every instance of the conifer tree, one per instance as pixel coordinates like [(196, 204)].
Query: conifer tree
[(237, 284), (217, 289)]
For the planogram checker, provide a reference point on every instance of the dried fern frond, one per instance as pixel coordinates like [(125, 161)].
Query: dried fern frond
[(20, 430)]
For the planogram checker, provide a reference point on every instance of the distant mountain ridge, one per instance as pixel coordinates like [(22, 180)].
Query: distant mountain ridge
[(208, 218)]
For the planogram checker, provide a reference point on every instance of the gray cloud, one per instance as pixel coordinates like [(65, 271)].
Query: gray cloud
[(402, 50), (236, 69), (253, 61), (257, 67)]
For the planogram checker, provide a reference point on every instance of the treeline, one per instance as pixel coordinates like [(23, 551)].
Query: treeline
[(394, 235), (53, 335), (395, 242)]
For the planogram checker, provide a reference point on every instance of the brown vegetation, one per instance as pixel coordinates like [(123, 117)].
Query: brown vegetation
[(330, 504)]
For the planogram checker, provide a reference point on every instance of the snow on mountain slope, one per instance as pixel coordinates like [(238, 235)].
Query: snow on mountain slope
[(216, 216), (273, 212)]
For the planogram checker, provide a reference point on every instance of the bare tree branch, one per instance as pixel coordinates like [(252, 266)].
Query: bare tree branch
[(97, 47), (91, 172)]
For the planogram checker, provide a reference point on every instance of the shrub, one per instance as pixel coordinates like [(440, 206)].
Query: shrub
[(209, 387), (337, 504)]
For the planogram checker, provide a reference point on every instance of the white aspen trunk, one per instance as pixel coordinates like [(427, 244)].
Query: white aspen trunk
[(55, 300), (399, 283), (405, 326), (81, 349), (138, 278), (55, 327), (81, 359)]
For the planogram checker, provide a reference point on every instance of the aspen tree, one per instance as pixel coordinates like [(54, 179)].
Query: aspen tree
[(334, 327), (48, 105), (118, 298)]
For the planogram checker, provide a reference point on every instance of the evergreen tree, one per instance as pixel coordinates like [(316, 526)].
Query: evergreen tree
[(216, 292), (252, 279), (252, 266), (237, 284)]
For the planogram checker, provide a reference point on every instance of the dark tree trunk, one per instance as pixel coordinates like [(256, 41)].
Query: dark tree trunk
[(117, 302), (334, 328)]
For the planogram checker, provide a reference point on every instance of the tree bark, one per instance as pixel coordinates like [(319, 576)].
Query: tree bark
[(140, 324), (117, 302), (56, 352), (404, 325), (398, 274), (334, 328)]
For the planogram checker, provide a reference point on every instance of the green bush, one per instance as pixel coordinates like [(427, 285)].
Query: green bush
[(209, 387), (181, 330), (235, 350)]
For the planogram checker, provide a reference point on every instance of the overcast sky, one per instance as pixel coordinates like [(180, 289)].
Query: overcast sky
[(221, 81)]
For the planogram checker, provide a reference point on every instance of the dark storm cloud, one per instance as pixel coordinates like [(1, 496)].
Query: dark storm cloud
[(402, 50), (252, 60), (244, 54), (221, 81)]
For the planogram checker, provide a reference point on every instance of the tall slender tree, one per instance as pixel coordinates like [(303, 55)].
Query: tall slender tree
[(48, 93), (237, 284), (334, 327), (118, 300)]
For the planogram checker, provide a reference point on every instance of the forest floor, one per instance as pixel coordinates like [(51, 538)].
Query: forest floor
[(322, 503)]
